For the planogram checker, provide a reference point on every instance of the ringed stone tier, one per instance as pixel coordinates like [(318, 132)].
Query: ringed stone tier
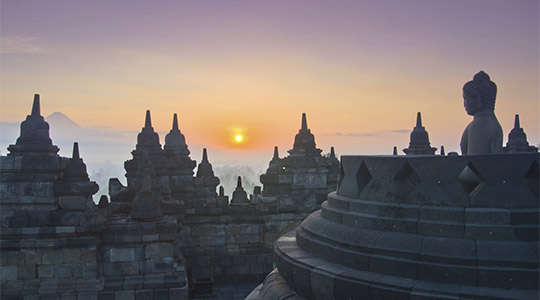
[(301, 180), (418, 227)]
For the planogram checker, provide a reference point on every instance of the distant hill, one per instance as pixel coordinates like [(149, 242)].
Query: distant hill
[(59, 120)]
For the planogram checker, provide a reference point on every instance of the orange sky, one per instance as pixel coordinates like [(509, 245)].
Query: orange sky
[(360, 70)]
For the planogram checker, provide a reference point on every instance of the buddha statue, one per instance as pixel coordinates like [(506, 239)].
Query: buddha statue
[(484, 134)]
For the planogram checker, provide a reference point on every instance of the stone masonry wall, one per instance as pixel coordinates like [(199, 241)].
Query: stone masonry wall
[(49, 262), (233, 243), (142, 261)]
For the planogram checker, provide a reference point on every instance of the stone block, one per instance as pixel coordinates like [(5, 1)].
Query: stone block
[(242, 239), (30, 230), (53, 257), (31, 286), (205, 241), (16, 259), (122, 254), (153, 281), (88, 296), (67, 285), (64, 271), (45, 271), (46, 200), (496, 216), (113, 283), (162, 265), (125, 295), (161, 294), (218, 241), (89, 271), (159, 250), (322, 285), (68, 296), (112, 269), (8, 273), (178, 293), (129, 268), (88, 256), (33, 258), (253, 238), (13, 288), (76, 203), (144, 294), (26, 272), (256, 269), (89, 285), (77, 270), (175, 280), (489, 232), (65, 229), (50, 297), (48, 286), (106, 295), (150, 237), (133, 282)]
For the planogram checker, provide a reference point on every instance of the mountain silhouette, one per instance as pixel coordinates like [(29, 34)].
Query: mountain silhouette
[(59, 120)]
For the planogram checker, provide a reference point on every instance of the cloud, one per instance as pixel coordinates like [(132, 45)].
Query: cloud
[(400, 131), (375, 133), (19, 45)]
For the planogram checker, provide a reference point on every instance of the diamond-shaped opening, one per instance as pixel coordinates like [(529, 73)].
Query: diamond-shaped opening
[(532, 179), (341, 174), (406, 179), (363, 177), (471, 180)]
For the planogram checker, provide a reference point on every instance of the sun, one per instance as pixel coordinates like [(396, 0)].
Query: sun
[(239, 138)]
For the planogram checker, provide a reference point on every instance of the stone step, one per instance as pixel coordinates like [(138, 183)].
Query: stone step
[(310, 275)]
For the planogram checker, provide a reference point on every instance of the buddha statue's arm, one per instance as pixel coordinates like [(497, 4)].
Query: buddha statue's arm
[(464, 141)]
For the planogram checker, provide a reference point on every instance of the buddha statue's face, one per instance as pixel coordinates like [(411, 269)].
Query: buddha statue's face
[(472, 103)]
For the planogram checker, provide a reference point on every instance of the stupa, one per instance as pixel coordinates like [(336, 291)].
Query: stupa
[(301, 180)]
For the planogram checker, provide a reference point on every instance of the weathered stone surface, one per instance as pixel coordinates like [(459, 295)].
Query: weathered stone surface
[(159, 250), (403, 234), (8, 273), (122, 254)]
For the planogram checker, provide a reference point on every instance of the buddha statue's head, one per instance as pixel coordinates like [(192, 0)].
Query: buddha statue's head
[(479, 94)]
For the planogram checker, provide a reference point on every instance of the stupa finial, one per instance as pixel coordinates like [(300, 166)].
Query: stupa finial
[(332, 152), (204, 155), (276, 153), (516, 122), (36, 108), (76, 151), (395, 151), (239, 183), (175, 122), (304, 122), (147, 120), (442, 151), (418, 120)]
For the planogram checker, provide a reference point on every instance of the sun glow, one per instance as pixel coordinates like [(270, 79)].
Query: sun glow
[(238, 138)]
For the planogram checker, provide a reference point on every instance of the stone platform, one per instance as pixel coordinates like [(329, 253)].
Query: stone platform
[(420, 227)]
